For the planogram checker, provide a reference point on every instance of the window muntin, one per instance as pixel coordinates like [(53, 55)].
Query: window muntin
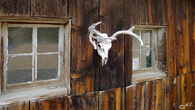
[(32, 53)]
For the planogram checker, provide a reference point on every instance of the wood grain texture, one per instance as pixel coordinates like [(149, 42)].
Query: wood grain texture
[(16, 106), (192, 33), (84, 59), (193, 89), (154, 12), (112, 99), (15, 8), (135, 12), (53, 103), (188, 90), (171, 38), (140, 96), (112, 74), (57, 8), (87, 101), (159, 96), (130, 94), (150, 95), (183, 47)]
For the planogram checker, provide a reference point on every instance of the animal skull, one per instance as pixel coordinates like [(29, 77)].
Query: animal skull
[(104, 43)]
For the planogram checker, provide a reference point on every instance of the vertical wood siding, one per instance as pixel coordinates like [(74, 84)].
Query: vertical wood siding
[(49, 8), (112, 74), (14, 7), (112, 82), (84, 59)]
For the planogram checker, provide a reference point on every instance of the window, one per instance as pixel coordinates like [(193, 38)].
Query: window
[(149, 60), (35, 54)]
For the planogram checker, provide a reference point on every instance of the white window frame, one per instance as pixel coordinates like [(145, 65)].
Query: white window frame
[(63, 53)]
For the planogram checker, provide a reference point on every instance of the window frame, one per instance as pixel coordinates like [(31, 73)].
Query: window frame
[(65, 30), (148, 74), (154, 46)]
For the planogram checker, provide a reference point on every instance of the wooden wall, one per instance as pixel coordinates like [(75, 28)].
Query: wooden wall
[(109, 87)]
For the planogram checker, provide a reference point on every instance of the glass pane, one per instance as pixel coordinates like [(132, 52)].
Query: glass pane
[(47, 39), (19, 69), (146, 58), (147, 39), (136, 43), (135, 59), (19, 40), (47, 67)]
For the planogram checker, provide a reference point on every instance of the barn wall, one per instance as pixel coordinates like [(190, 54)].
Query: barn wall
[(109, 87)]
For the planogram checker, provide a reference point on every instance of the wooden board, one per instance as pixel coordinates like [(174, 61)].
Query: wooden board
[(112, 99), (112, 74), (130, 97), (150, 101), (57, 8), (171, 39), (183, 47), (84, 59), (87, 101), (15, 8), (57, 103), (192, 33), (154, 12), (193, 89), (16, 106)]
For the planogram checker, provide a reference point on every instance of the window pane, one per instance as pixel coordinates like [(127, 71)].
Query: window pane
[(146, 58), (19, 69), (47, 67), (136, 43), (147, 39), (19, 40), (47, 39), (135, 59)]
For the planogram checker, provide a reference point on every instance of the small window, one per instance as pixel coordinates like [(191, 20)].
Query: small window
[(34, 54), (149, 60)]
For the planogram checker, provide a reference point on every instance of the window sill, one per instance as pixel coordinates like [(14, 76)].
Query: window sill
[(14, 96), (147, 76)]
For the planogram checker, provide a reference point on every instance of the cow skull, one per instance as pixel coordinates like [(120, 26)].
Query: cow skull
[(104, 43)]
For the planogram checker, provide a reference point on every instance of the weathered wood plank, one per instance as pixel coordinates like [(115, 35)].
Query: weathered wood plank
[(87, 101), (164, 4), (140, 96), (59, 103), (182, 89), (188, 90), (150, 95), (130, 19), (192, 33), (40, 104), (155, 12), (167, 94), (112, 99), (183, 52), (112, 74), (130, 94), (171, 38), (178, 86), (57, 8), (84, 60), (15, 8), (193, 89), (159, 92), (170, 93), (173, 92)]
